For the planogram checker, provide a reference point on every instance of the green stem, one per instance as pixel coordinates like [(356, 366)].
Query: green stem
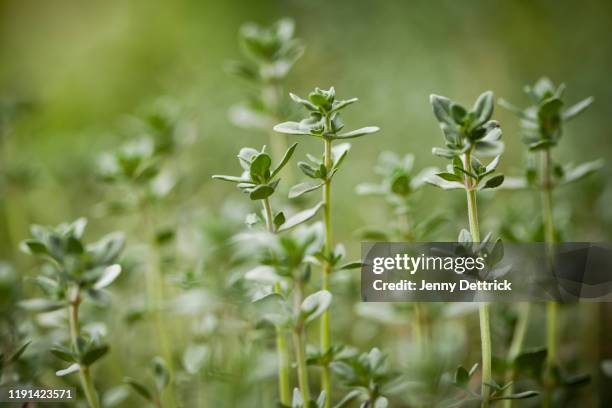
[(300, 354), (518, 338), (283, 367), (551, 307), (300, 350), (155, 297), (327, 249), (268, 215), (75, 331), (483, 308), (485, 341), (282, 352), (271, 95)]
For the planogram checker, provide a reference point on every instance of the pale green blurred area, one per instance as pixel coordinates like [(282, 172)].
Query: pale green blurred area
[(80, 67)]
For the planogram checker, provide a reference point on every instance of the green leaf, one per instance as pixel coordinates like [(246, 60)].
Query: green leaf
[(450, 176), (348, 398), (314, 305), (441, 152), (292, 128), (492, 166), (94, 354), (497, 253), (339, 152), (161, 373), (458, 113), (308, 170), (483, 108), (109, 275), (462, 377), (531, 361), (284, 160), (140, 388), (273, 308), (494, 181), (262, 274), (300, 217), (581, 171), (516, 110), (261, 192), (242, 70), (381, 402), (279, 219), (34, 247), (71, 369), (489, 147), (40, 305), (520, 395), (18, 353), (576, 380), (541, 145), (575, 110), (260, 167), (464, 236), (337, 105), (350, 265), (321, 400), (358, 133), (444, 184), (441, 109), (231, 179), (307, 104), (63, 353), (297, 401), (550, 108), (74, 246), (303, 188)]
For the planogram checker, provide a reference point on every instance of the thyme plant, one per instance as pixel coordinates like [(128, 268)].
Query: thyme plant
[(323, 122), (270, 53), (140, 176), (398, 186), (161, 380), (468, 133), (260, 181), (73, 272), (542, 128)]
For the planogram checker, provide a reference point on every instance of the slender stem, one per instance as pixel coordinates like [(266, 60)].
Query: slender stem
[(75, 331), (300, 354), (283, 367), (299, 346), (281, 343), (268, 215), (483, 308), (485, 341), (551, 307), (155, 295), (271, 95), (327, 249), (520, 330)]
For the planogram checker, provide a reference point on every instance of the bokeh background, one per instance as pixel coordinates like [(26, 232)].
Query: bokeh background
[(72, 72)]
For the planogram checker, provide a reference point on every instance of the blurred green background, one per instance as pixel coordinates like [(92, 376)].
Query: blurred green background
[(70, 72), (82, 65)]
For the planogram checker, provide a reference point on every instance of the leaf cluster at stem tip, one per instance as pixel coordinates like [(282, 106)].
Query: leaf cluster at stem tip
[(324, 120), (258, 178), (542, 122), (468, 133), (542, 127), (270, 51)]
